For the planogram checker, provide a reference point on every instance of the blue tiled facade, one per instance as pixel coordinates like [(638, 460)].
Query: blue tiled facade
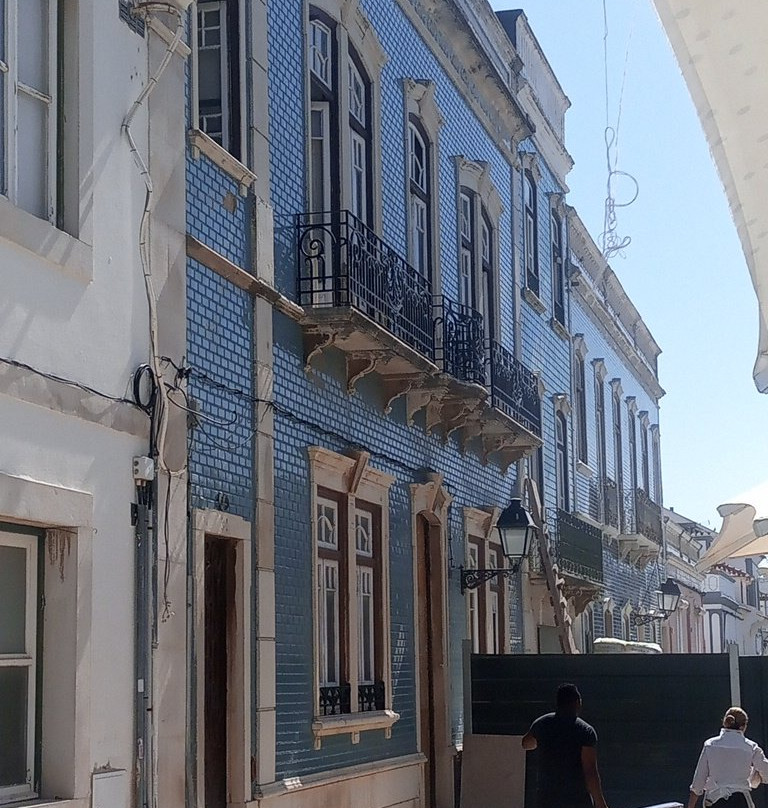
[(313, 407)]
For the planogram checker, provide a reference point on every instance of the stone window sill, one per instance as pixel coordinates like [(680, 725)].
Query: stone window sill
[(534, 300), (583, 469), (46, 242), (200, 143), (45, 802), (353, 724), (560, 330)]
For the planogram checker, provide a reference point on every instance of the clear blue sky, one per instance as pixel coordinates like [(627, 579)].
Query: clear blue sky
[(684, 269)]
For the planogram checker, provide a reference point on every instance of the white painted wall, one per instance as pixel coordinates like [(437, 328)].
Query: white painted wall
[(76, 307)]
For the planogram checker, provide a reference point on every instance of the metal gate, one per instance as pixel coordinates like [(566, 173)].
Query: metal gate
[(651, 712)]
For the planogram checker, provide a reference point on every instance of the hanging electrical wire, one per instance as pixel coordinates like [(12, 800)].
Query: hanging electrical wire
[(612, 242)]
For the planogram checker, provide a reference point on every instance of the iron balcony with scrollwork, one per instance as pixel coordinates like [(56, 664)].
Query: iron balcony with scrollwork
[(577, 547), (363, 299), (641, 536)]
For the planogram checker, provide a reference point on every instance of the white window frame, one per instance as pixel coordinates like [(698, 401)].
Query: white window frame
[(223, 46), (326, 567), (473, 600), (366, 589), (319, 62), (27, 658), (492, 608), (357, 93), (359, 175), (14, 89)]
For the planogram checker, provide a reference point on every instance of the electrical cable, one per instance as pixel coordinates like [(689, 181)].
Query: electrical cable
[(70, 382), (612, 243), (143, 167)]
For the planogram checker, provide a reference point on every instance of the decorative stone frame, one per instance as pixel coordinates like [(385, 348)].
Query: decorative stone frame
[(66, 517), (353, 478), (239, 680), (352, 29), (476, 176), (420, 102), (432, 501)]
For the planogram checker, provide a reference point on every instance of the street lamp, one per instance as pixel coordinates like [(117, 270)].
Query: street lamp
[(514, 531), (667, 601)]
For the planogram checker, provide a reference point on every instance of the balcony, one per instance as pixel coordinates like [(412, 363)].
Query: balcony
[(576, 549), (641, 536), (362, 298)]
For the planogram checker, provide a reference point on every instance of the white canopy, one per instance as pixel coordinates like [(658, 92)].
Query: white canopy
[(743, 532), (722, 49)]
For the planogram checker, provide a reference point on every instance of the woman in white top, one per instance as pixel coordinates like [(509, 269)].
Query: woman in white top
[(729, 765)]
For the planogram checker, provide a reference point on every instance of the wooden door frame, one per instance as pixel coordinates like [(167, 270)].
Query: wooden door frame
[(430, 501), (236, 530)]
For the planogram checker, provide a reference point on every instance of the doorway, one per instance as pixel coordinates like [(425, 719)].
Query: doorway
[(220, 560), (438, 786)]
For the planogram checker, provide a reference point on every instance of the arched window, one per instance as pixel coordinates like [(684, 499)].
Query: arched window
[(558, 268), (419, 198), (561, 456), (530, 232)]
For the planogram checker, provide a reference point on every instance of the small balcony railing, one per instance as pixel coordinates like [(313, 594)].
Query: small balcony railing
[(576, 546), (611, 508), (344, 264), (335, 700), (514, 388), (370, 697), (648, 517), (460, 340)]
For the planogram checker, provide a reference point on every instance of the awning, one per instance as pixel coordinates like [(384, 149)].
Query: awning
[(722, 49), (744, 531)]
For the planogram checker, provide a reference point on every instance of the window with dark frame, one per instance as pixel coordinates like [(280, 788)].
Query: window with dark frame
[(644, 457), (486, 604), (467, 248), (360, 138), (656, 447), (561, 455), (218, 72), (487, 282), (632, 422), (558, 269), (419, 197), (600, 426), (333, 629), (580, 397), (530, 232), (618, 440)]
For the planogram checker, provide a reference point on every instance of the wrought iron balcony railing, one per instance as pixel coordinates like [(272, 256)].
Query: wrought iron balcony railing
[(343, 263), (611, 505), (514, 388), (460, 340), (577, 546), (370, 697), (648, 517), (335, 700)]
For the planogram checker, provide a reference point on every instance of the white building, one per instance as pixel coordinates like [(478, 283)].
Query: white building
[(74, 328)]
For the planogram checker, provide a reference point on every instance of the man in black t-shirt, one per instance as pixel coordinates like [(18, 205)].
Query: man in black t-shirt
[(568, 776)]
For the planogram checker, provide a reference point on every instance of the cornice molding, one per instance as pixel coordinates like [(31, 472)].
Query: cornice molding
[(476, 175)]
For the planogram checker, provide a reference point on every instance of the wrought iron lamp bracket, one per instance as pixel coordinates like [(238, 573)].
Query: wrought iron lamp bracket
[(472, 578), (646, 618)]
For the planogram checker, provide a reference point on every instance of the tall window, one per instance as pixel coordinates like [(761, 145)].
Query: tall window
[(360, 140), (558, 268), (18, 668), (600, 424), (644, 456), (467, 255), (561, 456), (618, 449), (530, 232), (330, 111), (487, 285), (631, 421), (656, 448), (330, 574), (28, 105), (419, 198), (218, 72), (486, 604), (580, 399)]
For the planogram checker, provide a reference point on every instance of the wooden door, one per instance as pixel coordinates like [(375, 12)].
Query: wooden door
[(219, 596)]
